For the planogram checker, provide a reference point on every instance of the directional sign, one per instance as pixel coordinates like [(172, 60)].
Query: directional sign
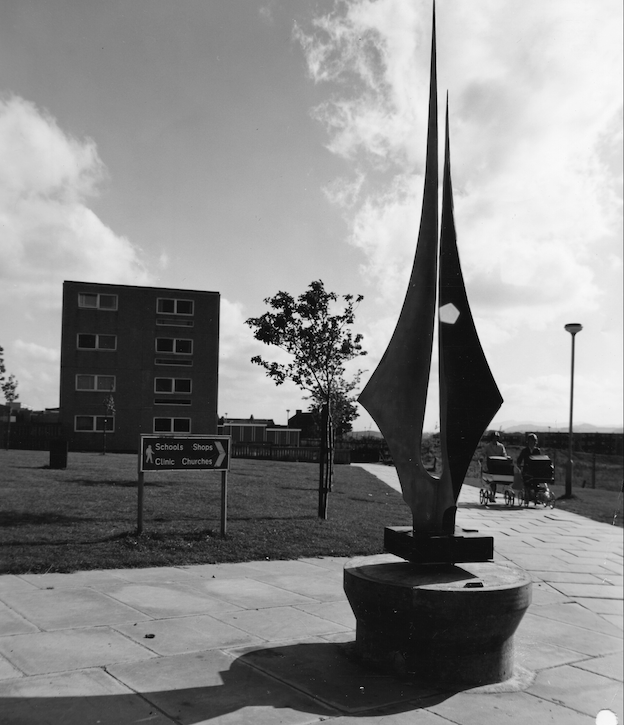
[(184, 453)]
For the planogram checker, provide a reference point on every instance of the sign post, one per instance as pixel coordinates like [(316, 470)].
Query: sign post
[(184, 453)]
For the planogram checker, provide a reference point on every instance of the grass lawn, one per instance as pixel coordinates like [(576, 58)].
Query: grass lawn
[(85, 517)]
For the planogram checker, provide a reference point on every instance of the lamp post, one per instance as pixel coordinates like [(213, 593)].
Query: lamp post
[(572, 328)]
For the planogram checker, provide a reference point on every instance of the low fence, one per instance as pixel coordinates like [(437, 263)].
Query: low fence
[(285, 453), (29, 436)]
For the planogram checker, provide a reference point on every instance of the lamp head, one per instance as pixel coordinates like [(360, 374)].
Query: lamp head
[(573, 328)]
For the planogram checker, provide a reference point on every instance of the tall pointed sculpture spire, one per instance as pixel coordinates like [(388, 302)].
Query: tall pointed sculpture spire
[(396, 393), (469, 396)]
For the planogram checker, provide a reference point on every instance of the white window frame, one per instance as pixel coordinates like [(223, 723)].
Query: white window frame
[(174, 340), (96, 388), (98, 305), (172, 421), (94, 419), (97, 342), (173, 390), (175, 301)]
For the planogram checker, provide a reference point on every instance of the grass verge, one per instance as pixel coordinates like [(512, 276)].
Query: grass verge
[(84, 517)]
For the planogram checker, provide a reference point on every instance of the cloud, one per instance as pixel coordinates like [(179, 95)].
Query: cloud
[(536, 105), (47, 231), (244, 388), (49, 234), (36, 353), (536, 137)]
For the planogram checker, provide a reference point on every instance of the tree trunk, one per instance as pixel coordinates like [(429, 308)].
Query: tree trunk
[(326, 463)]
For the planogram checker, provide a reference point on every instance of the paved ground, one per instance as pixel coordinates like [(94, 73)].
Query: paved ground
[(263, 642)]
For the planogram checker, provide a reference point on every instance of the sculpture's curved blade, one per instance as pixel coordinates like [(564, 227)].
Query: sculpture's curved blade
[(396, 394), (469, 396)]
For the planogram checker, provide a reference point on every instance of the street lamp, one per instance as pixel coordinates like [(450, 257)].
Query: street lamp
[(287, 417), (572, 328)]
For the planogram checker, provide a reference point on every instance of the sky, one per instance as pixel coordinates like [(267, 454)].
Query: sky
[(253, 146)]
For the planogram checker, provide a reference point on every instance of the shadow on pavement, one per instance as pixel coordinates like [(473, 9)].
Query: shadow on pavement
[(283, 682)]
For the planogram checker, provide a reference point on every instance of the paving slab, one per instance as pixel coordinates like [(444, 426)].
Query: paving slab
[(616, 620), (285, 567), (186, 634), (14, 583), (519, 708), (544, 594), (324, 671), (8, 672), (215, 686), (74, 649), (250, 593), (321, 587), (339, 612), (413, 716), (590, 591), (222, 571), (577, 614), (69, 607), (156, 575), (75, 698), (565, 576), (77, 579), (167, 599), (604, 606), (534, 628), (13, 623), (581, 690), (281, 623), (611, 666)]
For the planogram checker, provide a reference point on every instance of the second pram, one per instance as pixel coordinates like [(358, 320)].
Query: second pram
[(538, 474)]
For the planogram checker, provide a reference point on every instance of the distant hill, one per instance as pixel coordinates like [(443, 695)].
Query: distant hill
[(513, 427)]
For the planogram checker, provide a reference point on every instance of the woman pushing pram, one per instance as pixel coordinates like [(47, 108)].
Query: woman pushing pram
[(537, 472), (496, 468)]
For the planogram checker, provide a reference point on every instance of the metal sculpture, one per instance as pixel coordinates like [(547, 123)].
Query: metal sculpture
[(396, 394)]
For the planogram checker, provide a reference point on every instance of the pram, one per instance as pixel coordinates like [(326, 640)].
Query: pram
[(498, 472), (538, 472)]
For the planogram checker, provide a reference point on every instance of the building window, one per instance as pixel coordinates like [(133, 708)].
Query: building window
[(97, 342), (172, 401), (172, 425), (97, 301), (167, 306), (104, 383), (94, 423), (172, 385), (177, 346)]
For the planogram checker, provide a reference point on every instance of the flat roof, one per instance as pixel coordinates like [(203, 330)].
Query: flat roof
[(139, 286)]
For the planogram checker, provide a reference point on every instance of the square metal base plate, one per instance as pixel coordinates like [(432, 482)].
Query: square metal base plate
[(443, 549)]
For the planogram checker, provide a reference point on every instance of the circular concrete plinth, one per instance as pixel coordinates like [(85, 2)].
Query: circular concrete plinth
[(452, 624)]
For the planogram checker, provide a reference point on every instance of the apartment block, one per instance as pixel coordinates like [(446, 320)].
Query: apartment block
[(137, 360)]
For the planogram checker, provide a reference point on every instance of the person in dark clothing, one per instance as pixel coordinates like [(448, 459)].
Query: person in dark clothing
[(493, 448), (531, 449)]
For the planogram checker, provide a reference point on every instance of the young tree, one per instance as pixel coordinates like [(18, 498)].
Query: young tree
[(9, 389), (109, 404), (343, 406), (320, 341)]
